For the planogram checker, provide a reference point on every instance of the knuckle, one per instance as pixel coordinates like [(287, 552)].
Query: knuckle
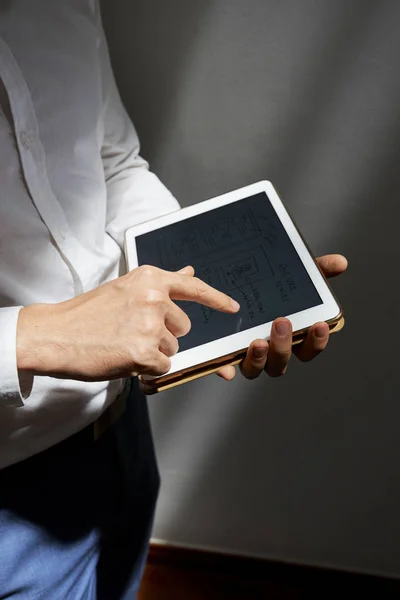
[(120, 284), (169, 346), (146, 270), (282, 349), (215, 299), (151, 328), (155, 299), (199, 288), (141, 358), (148, 325)]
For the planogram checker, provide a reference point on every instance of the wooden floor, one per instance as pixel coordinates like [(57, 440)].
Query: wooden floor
[(173, 574)]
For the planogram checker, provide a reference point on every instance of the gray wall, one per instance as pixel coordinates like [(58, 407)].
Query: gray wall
[(305, 93)]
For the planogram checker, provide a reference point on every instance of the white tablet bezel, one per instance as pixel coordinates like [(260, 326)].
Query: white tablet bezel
[(327, 311)]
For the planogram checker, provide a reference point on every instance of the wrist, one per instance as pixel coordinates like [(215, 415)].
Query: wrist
[(31, 339)]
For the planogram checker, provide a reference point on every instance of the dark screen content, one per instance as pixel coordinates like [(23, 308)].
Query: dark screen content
[(241, 249)]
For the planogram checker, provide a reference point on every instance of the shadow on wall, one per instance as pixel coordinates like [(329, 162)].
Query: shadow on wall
[(301, 468), (305, 468), (155, 39)]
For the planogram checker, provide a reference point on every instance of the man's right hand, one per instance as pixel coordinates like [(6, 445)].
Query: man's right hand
[(126, 327)]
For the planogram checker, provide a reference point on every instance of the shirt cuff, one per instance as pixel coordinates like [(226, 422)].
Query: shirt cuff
[(10, 387)]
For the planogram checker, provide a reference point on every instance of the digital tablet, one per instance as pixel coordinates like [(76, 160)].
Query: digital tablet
[(245, 244)]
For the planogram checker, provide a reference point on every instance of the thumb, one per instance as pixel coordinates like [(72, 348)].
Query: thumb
[(187, 271)]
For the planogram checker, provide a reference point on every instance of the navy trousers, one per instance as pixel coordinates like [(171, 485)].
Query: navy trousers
[(75, 520)]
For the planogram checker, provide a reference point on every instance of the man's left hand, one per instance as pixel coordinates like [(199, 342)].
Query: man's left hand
[(273, 356)]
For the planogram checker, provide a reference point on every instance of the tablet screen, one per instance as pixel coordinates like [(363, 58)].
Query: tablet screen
[(241, 249)]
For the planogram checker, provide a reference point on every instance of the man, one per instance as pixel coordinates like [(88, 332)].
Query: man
[(78, 477)]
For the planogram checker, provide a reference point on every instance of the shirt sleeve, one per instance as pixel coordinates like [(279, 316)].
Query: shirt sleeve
[(134, 193), (10, 390)]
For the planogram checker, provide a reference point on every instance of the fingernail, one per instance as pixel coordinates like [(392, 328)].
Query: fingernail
[(259, 352), (320, 332), (282, 328), (235, 305)]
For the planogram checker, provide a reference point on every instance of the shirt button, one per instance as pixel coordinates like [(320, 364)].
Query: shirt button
[(26, 140)]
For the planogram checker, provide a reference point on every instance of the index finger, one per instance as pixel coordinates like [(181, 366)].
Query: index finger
[(184, 287)]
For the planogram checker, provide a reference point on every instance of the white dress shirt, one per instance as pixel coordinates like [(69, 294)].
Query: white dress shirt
[(71, 182)]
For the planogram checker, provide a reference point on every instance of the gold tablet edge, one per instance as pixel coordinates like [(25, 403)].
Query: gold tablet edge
[(168, 382)]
